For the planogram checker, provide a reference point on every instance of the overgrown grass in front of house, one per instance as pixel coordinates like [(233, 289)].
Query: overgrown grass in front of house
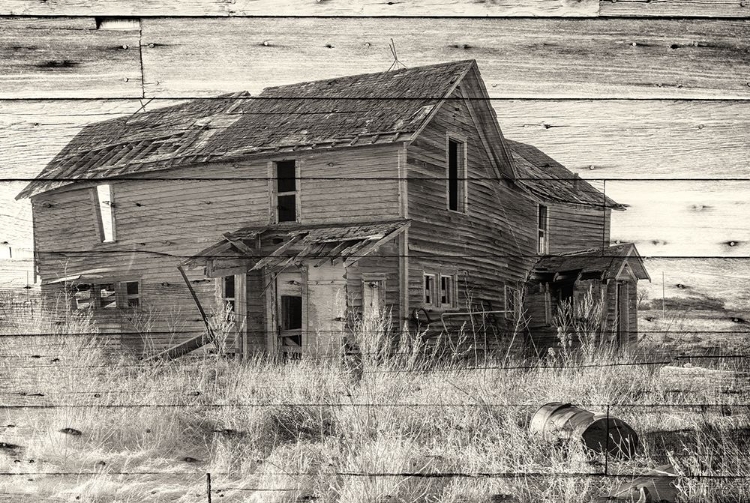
[(374, 428)]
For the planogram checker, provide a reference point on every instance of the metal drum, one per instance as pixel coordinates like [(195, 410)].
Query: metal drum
[(557, 421)]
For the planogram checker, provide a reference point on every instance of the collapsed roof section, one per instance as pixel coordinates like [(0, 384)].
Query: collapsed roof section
[(279, 246)]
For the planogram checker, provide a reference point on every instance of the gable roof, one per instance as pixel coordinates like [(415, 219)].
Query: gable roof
[(365, 109), (605, 262), (550, 180)]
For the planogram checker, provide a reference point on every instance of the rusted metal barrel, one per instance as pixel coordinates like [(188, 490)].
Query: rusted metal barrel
[(557, 421)]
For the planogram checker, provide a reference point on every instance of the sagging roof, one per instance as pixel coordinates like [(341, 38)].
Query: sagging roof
[(550, 180), (319, 243), (602, 263), (365, 109)]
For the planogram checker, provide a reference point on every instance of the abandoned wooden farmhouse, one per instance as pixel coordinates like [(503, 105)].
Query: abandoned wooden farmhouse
[(317, 203)]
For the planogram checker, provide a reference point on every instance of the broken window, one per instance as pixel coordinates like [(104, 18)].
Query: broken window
[(439, 290), (107, 295), (446, 291), (105, 214), (83, 296), (429, 290), (457, 175), (286, 191), (543, 231), (132, 292), (228, 295)]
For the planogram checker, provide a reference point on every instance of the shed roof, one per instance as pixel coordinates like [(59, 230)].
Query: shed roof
[(365, 109), (605, 262), (548, 179)]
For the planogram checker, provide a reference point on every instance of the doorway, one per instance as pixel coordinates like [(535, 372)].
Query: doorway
[(621, 314), (290, 308)]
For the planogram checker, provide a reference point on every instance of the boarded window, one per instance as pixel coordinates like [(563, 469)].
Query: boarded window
[(456, 175), (105, 213), (286, 191), (543, 231)]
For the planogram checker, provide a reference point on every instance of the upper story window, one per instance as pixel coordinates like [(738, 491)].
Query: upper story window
[(105, 213), (543, 230), (456, 175), (287, 188)]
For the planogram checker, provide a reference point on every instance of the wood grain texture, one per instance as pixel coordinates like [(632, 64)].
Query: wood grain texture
[(682, 8), (67, 57), (240, 8), (535, 58)]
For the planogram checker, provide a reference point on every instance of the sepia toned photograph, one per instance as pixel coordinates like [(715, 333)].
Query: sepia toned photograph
[(359, 251)]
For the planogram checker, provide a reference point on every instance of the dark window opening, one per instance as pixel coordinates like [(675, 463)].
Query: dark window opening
[(132, 294), (446, 291), (456, 176), (429, 289), (291, 312), (228, 291), (286, 191)]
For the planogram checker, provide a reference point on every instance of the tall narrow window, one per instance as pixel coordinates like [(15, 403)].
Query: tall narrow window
[(286, 191), (543, 231), (228, 291), (105, 213), (446, 291), (429, 290), (456, 175), (132, 293)]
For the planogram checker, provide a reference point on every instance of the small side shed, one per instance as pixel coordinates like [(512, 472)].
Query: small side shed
[(610, 273)]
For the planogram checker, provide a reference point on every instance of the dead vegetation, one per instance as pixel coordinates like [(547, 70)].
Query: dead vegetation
[(390, 426)]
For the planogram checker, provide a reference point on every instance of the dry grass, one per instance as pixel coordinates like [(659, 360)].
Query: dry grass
[(315, 430)]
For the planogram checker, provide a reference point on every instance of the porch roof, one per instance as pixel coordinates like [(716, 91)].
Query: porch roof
[(603, 263), (291, 244)]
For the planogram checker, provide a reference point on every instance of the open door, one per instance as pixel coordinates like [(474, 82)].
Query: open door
[(291, 315)]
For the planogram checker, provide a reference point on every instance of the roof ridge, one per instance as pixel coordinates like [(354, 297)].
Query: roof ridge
[(368, 74)]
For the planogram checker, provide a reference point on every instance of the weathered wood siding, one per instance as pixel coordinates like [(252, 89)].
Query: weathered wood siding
[(173, 215), (492, 243), (385, 261), (577, 227)]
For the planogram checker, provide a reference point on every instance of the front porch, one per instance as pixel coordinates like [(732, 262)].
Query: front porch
[(293, 288)]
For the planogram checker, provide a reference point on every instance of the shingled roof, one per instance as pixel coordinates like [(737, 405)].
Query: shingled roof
[(357, 110), (604, 262), (548, 179)]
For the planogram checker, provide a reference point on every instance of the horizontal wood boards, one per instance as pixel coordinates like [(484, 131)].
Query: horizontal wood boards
[(518, 58)]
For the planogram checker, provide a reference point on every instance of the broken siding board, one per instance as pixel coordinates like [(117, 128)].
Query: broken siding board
[(65, 57), (663, 58), (674, 8)]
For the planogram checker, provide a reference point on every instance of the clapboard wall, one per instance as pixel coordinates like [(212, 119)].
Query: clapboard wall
[(650, 101)]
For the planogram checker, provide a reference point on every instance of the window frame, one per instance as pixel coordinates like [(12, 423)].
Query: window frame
[(127, 297), (513, 301), (99, 215), (223, 291), (436, 292), (274, 180), (121, 297), (542, 231), (462, 174)]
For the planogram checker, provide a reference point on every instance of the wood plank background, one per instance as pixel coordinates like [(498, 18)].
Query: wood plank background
[(638, 91)]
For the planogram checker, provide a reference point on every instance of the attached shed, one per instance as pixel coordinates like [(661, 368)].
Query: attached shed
[(610, 273)]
